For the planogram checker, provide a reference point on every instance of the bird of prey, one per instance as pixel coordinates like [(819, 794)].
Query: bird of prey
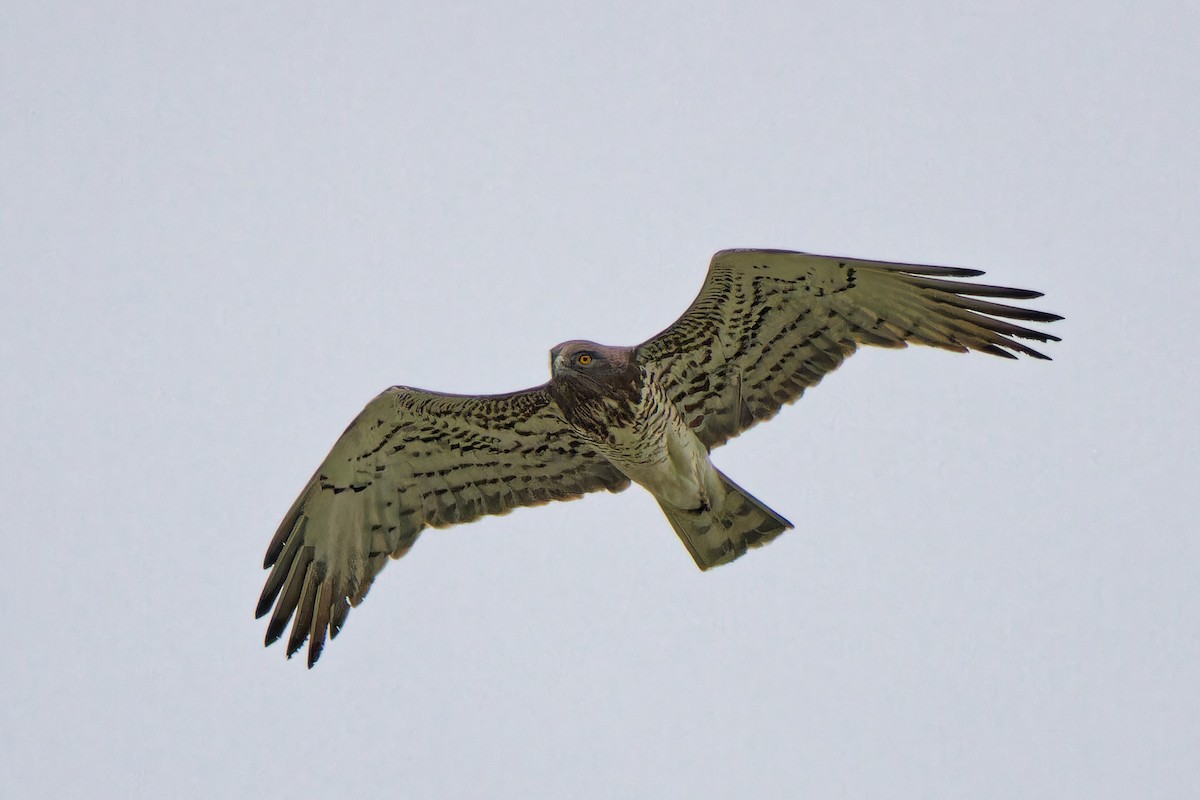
[(767, 325)]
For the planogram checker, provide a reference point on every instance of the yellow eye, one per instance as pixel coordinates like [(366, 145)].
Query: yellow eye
[(584, 359)]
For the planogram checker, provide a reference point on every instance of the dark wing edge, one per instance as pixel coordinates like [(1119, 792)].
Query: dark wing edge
[(414, 459), (944, 313), (767, 324)]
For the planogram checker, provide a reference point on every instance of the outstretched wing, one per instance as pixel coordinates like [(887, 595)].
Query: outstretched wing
[(768, 324), (411, 459)]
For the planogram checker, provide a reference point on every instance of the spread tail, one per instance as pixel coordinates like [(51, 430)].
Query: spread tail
[(721, 534)]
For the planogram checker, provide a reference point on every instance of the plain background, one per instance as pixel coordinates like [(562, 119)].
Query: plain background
[(226, 226)]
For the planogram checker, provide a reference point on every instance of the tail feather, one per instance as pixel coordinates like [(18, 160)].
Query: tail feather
[(719, 535)]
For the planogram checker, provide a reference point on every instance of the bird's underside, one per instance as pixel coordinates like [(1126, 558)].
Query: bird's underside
[(766, 325)]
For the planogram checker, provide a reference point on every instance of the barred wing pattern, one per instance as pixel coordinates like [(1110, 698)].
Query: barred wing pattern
[(768, 324), (413, 459)]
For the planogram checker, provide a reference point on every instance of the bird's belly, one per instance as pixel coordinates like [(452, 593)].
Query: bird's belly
[(669, 462)]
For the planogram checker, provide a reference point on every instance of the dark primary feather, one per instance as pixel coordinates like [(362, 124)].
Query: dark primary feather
[(413, 459), (768, 324)]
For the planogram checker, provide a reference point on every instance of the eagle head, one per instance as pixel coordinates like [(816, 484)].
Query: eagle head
[(594, 369), (587, 360), (584, 375)]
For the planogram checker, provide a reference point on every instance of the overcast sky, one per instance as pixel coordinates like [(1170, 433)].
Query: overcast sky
[(224, 227)]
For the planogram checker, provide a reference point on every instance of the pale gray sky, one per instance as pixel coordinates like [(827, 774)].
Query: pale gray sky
[(226, 226)]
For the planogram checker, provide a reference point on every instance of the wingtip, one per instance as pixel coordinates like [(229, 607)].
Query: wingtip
[(264, 605), (294, 647), (274, 631), (314, 653)]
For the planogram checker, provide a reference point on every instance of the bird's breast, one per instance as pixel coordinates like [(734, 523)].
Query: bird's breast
[(655, 448)]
